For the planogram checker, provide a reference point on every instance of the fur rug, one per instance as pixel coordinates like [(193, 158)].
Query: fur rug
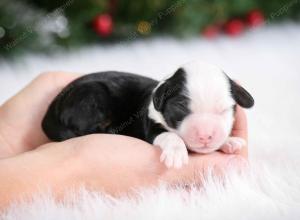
[(265, 61)]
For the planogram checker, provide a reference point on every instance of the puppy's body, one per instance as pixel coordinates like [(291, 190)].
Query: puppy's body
[(105, 102), (193, 109)]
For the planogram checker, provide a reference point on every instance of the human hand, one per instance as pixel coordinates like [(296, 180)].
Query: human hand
[(127, 163), (21, 116), (112, 163)]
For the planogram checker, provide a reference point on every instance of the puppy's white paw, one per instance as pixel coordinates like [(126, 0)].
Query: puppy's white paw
[(174, 152), (233, 145)]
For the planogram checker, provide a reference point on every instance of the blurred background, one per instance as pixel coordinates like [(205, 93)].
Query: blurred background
[(256, 42), (43, 25)]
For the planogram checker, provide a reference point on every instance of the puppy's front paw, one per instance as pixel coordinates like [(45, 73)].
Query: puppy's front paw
[(233, 145), (174, 152)]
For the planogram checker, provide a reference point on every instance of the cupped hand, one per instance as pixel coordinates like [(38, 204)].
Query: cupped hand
[(104, 162), (21, 116)]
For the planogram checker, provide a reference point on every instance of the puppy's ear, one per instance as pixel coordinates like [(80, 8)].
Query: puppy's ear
[(159, 96), (240, 95), (170, 88)]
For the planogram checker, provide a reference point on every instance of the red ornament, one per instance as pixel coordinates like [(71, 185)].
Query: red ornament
[(211, 31), (103, 25), (234, 27), (255, 18)]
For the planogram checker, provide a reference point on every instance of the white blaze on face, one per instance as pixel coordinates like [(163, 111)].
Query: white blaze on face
[(211, 105)]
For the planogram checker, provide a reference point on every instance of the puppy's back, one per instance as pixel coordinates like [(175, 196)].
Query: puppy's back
[(97, 103)]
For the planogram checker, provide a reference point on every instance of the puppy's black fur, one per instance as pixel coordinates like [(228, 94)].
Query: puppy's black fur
[(115, 103), (174, 108), (240, 95)]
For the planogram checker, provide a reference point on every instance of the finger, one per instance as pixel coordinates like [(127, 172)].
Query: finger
[(240, 124), (240, 129), (51, 83), (43, 88), (217, 162)]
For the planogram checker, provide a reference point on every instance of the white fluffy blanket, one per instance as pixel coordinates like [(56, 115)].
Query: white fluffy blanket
[(265, 61)]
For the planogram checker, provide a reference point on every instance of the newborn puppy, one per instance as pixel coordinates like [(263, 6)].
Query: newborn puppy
[(193, 109)]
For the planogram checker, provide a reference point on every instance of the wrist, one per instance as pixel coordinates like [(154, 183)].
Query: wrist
[(50, 167)]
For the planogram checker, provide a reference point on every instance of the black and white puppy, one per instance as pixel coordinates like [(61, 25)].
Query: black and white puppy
[(193, 109)]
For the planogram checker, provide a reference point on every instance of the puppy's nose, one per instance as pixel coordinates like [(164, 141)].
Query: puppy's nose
[(205, 138)]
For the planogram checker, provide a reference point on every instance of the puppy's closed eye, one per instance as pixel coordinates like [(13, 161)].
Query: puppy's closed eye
[(176, 109), (180, 104)]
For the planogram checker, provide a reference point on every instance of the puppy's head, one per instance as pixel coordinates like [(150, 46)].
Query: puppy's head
[(198, 104)]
